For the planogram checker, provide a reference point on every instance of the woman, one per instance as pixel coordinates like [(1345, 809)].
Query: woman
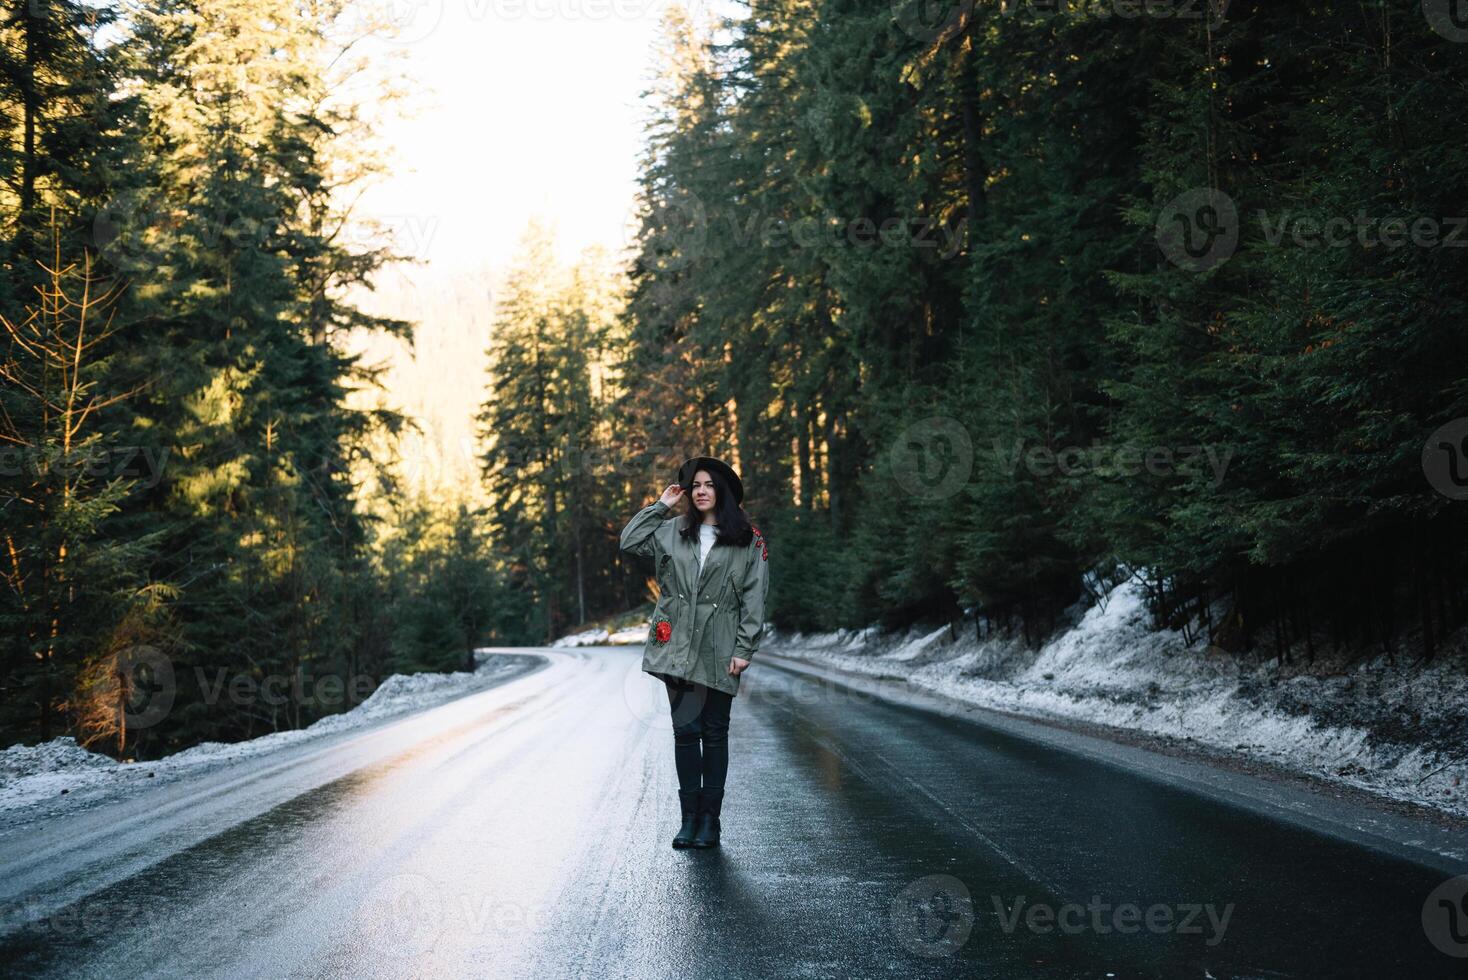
[(713, 576)]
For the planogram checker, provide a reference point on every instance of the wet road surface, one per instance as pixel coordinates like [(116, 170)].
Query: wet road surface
[(523, 831)]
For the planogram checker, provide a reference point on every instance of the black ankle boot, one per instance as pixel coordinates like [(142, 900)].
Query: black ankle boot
[(688, 799), (707, 834)]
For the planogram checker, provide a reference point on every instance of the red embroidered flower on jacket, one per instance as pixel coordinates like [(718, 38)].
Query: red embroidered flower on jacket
[(663, 631), (759, 539)]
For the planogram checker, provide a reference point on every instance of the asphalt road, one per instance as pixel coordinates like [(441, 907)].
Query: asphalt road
[(523, 831)]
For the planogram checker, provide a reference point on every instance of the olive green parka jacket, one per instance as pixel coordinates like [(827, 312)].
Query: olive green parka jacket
[(712, 617)]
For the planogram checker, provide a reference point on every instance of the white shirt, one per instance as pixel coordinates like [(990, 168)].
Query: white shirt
[(706, 535)]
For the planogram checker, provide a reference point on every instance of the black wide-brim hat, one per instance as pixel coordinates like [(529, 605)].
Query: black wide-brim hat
[(693, 465)]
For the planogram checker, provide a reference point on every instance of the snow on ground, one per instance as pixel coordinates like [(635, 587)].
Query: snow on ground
[(588, 638), (599, 637), (1396, 731), (33, 773)]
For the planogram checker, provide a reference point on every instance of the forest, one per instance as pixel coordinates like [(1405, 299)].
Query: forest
[(183, 502), (991, 304)]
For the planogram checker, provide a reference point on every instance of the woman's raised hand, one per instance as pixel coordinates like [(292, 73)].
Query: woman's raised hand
[(672, 495)]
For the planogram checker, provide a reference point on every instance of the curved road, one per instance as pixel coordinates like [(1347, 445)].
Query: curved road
[(523, 831)]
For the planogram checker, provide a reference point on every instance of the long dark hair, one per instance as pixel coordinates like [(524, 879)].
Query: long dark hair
[(735, 527)]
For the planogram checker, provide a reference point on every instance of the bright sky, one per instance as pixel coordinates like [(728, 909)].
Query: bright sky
[(519, 108), (523, 107)]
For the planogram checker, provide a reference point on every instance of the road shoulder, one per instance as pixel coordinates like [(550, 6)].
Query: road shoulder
[(1415, 833), (92, 789)]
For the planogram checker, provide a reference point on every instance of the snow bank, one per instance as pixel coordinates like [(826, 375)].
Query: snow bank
[(588, 638), (1392, 731), (30, 773), (600, 637)]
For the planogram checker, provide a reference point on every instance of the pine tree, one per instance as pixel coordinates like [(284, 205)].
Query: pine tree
[(67, 580)]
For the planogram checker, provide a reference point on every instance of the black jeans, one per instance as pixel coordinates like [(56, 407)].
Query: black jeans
[(699, 713)]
